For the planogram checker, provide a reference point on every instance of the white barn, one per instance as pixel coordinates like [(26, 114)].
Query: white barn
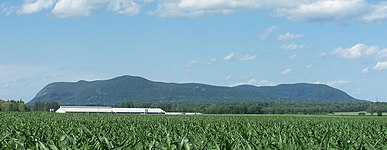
[(138, 110), (102, 109), (83, 109)]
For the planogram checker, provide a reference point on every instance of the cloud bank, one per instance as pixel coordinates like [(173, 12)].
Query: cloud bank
[(295, 10), (356, 51), (73, 8), (362, 50)]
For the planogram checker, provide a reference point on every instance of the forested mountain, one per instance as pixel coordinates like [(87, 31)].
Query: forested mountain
[(138, 89)]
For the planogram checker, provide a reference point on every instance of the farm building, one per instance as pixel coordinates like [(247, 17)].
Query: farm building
[(84, 109), (138, 110), (183, 113), (101, 109)]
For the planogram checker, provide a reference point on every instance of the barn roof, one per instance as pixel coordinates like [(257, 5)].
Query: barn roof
[(103, 109)]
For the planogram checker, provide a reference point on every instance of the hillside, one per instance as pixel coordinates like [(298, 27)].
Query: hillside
[(138, 89)]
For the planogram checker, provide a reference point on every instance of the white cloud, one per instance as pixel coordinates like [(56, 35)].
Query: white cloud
[(266, 83), (127, 7), (377, 13), (230, 56), (193, 63), (286, 71), (335, 83), (195, 8), (211, 61), (381, 65), (338, 83), (356, 51), (293, 57), (322, 54), (365, 70), (33, 6), (265, 34), (383, 53), (248, 57), (8, 10), (240, 83), (289, 36), (256, 82), (293, 46), (74, 8), (146, 1), (296, 10), (212, 4), (323, 10), (28, 7), (334, 10), (252, 82), (70, 8)]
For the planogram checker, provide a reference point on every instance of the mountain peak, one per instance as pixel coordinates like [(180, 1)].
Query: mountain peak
[(138, 89)]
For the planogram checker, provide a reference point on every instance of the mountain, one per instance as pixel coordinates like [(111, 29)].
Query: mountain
[(138, 89)]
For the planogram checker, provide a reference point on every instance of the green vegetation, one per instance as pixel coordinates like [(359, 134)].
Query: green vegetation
[(45, 106), (358, 113), (140, 90), (262, 107), (378, 108), (20, 106), (113, 131), (13, 105)]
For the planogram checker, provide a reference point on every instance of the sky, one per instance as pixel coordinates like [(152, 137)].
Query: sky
[(341, 43)]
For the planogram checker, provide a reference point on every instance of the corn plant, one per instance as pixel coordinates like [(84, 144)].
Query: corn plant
[(115, 131)]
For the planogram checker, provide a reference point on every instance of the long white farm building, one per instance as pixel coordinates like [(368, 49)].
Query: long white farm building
[(101, 109)]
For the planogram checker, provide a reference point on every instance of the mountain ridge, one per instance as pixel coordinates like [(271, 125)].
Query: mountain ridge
[(139, 89)]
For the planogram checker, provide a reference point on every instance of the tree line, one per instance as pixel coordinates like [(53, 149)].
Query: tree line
[(263, 107), (220, 108), (20, 106), (13, 105)]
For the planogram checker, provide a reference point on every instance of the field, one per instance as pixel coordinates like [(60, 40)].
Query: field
[(356, 113), (113, 131)]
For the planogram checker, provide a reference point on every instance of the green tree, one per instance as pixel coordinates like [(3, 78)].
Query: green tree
[(45, 106), (377, 107), (127, 104), (12, 105)]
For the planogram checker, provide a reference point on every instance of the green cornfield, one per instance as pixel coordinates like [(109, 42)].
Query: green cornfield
[(117, 131)]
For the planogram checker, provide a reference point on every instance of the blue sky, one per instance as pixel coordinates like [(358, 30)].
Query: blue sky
[(341, 43)]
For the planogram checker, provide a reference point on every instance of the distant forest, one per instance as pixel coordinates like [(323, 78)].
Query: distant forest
[(264, 107), (219, 108)]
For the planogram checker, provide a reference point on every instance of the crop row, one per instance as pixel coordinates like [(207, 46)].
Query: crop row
[(113, 131)]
